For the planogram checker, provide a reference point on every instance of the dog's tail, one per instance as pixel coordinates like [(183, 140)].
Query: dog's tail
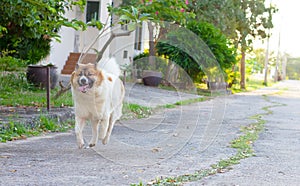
[(110, 65)]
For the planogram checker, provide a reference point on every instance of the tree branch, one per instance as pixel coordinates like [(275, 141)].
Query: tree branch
[(62, 90), (110, 39)]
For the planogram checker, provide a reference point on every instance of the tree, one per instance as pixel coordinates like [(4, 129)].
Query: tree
[(240, 20), (220, 13), (212, 38), (253, 18), (172, 11), (28, 26), (255, 62)]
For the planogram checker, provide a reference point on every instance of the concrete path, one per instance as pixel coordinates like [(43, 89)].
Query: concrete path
[(172, 142), (277, 160)]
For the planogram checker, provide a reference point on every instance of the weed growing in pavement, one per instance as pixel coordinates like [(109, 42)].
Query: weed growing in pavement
[(243, 144), (133, 111)]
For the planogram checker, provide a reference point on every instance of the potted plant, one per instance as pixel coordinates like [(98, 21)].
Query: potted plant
[(38, 59), (37, 75), (149, 73), (152, 78)]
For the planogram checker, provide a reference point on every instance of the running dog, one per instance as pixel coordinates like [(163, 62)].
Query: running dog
[(98, 95)]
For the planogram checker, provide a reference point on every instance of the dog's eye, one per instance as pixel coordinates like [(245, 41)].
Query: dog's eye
[(90, 74), (80, 74)]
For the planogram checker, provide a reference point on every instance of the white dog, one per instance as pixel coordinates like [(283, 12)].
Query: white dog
[(98, 95)]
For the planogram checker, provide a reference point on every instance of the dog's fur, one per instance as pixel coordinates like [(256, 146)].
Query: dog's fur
[(98, 95)]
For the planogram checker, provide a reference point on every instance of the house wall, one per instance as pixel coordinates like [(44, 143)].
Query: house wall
[(60, 50), (77, 41)]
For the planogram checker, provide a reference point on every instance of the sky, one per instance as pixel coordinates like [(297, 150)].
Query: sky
[(287, 23)]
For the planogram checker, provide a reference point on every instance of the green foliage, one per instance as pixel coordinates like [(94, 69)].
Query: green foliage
[(16, 130), (255, 62), (13, 82), (293, 68), (167, 10), (141, 62), (28, 26), (213, 39), (220, 13), (16, 91), (131, 111), (216, 41), (9, 63), (130, 15), (12, 131)]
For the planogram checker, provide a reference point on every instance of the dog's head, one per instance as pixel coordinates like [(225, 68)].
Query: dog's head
[(85, 77)]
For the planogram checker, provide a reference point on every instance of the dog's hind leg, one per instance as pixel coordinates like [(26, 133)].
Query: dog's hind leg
[(95, 129), (79, 125), (103, 127), (115, 115), (110, 127)]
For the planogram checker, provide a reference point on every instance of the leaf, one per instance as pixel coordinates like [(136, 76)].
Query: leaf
[(134, 11), (124, 18), (132, 26)]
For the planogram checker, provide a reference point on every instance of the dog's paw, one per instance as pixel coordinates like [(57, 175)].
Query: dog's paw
[(92, 145), (104, 141), (80, 146)]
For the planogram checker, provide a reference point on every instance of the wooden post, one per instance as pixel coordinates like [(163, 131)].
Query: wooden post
[(48, 88)]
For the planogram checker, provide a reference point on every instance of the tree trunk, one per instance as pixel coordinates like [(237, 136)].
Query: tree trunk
[(267, 63), (151, 45), (243, 71)]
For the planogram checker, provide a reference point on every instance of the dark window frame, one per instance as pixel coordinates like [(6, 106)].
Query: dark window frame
[(92, 11)]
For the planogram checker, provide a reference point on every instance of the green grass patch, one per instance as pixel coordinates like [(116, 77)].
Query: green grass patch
[(16, 91), (133, 111), (251, 84), (18, 130), (190, 101)]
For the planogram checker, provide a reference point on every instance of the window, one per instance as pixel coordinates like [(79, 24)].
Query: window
[(92, 10)]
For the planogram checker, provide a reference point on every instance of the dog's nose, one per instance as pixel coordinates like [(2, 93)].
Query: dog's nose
[(83, 80)]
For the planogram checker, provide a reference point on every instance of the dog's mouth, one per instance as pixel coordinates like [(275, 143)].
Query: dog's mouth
[(84, 88)]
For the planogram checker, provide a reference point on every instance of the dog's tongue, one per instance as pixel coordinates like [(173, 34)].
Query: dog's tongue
[(83, 88)]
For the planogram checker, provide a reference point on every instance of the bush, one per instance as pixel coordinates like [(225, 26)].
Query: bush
[(9, 63), (212, 37), (28, 26), (141, 62), (13, 82)]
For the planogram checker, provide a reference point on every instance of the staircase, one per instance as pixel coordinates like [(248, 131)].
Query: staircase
[(72, 60)]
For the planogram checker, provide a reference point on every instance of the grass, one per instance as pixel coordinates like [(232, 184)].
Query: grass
[(133, 111), (251, 84), (18, 130), (16, 91)]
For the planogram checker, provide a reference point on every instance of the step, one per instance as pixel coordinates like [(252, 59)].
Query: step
[(73, 59)]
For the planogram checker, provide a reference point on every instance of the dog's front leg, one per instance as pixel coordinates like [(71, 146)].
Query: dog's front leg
[(79, 125), (95, 129), (104, 127)]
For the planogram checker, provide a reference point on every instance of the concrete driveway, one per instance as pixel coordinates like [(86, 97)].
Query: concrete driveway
[(172, 142)]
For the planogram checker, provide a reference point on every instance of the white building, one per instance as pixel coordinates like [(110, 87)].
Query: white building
[(74, 42)]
